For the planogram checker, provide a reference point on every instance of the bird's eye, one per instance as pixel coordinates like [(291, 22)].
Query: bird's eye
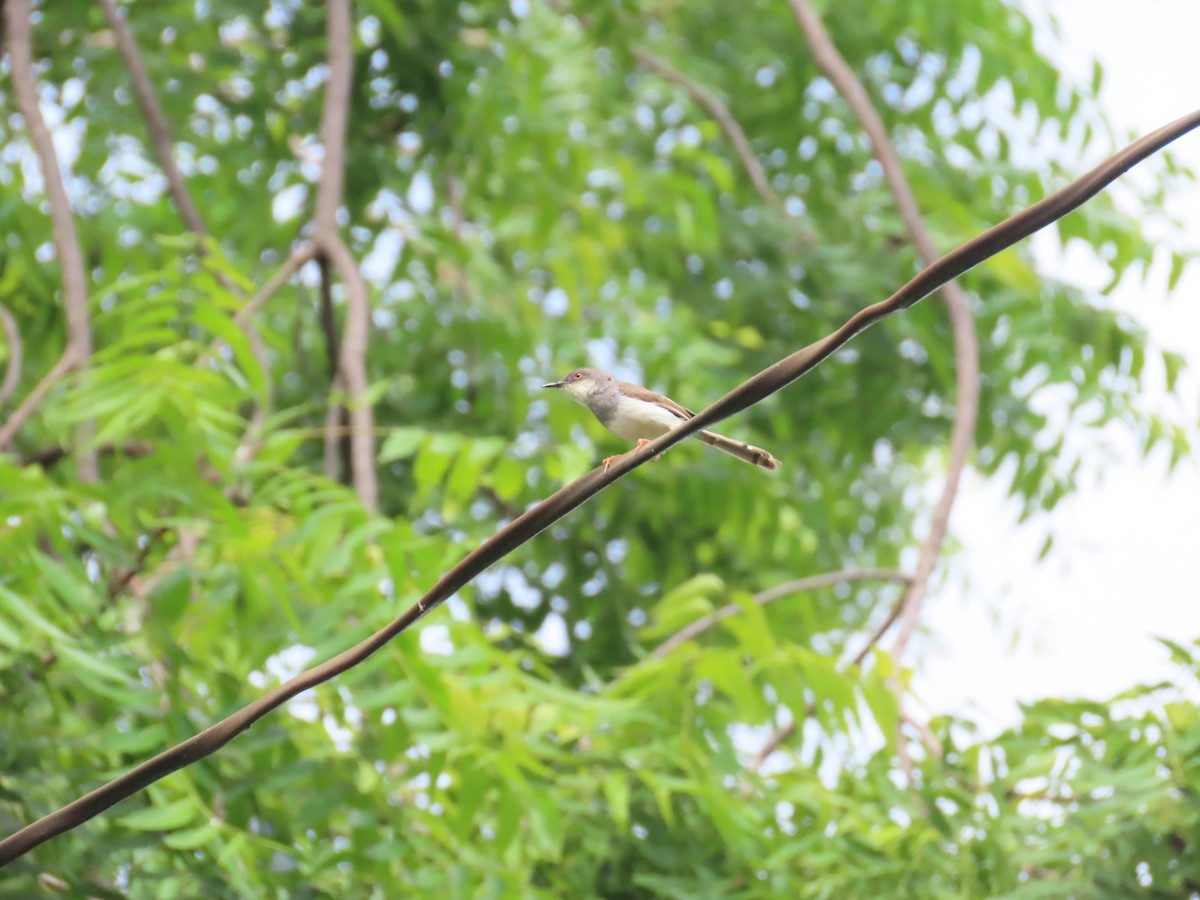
[(577, 376)]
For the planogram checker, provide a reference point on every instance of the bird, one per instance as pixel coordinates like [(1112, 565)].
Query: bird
[(638, 414)]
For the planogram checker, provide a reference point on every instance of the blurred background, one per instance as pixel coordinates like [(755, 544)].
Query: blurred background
[(322, 272), (1084, 619)]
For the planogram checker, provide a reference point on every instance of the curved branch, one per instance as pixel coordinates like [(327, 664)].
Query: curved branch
[(352, 359), (156, 121), (779, 591), (352, 367), (12, 371), (17, 16), (966, 344), (716, 108), (531, 523)]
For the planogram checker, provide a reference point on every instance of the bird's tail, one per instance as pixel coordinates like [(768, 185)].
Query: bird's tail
[(748, 453)]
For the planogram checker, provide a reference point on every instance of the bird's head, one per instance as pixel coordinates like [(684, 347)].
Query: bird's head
[(581, 383)]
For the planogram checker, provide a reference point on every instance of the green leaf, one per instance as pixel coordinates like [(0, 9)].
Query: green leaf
[(164, 817), (545, 822), (401, 443), (685, 603), (91, 664), (21, 609), (193, 838), (616, 793), (881, 700)]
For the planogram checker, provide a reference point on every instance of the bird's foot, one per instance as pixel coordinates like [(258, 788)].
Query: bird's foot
[(642, 442), (608, 461)]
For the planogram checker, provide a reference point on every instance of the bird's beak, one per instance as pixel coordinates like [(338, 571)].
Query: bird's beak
[(554, 384)]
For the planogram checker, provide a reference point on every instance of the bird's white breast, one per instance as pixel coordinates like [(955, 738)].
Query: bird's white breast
[(636, 419)]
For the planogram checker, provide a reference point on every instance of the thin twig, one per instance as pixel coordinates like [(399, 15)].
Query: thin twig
[(352, 360), (456, 199), (535, 520), (33, 399), (777, 592), (12, 369), (19, 29), (923, 731), (187, 541), (275, 283), (156, 121), (878, 633), (966, 344), (774, 742), (55, 453), (249, 444), (120, 580), (251, 441), (784, 732), (716, 108), (904, 757)]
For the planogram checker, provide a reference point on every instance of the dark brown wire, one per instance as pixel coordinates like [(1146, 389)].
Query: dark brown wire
[(525, 527)]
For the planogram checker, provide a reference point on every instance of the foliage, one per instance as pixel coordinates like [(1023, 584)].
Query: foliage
[(523, 197)]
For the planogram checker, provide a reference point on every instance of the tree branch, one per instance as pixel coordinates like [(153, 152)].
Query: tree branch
[(787, 589), (352, 360), (716, 108), (293, 264), (328, 322), (529, 524), (336, 444), (966, 345), (335, 428), (19, 30), (12, 371), (156, 121)]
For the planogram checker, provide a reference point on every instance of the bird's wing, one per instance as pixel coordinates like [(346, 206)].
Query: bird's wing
[(640, 393)]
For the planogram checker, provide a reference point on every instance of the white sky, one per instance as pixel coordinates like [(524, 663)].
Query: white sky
[(1082, 623)]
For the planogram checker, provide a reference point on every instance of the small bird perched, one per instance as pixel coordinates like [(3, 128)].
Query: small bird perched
[(637, 414)]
